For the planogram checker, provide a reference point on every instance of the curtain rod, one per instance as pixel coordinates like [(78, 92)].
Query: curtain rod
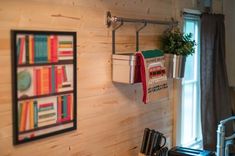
[(191, 12), (114, 19)]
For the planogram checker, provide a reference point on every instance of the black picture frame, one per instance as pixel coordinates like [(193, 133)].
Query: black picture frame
[(70, 121)]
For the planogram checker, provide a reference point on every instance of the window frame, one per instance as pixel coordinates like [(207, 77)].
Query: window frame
[(196, 86)]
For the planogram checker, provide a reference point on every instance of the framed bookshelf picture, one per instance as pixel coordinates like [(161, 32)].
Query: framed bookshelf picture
[(44, 84)]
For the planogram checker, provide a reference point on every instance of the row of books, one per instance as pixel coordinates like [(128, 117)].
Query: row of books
[(34, 114), (64, 108), (32, 49), (65, 51), (51, 79)]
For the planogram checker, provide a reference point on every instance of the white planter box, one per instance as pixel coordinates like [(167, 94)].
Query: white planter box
[(123, 68)]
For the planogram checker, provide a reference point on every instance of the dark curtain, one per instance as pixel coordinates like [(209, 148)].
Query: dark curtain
[(215, 93)]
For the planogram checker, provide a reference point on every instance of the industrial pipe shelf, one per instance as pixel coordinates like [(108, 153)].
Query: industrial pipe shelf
[(110, 20)]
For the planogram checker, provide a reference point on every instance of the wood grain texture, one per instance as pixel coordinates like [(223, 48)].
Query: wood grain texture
[(111, 117)]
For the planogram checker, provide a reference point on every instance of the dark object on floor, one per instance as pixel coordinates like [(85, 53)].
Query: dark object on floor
[(182, 151), (153, 143), (145, 139)]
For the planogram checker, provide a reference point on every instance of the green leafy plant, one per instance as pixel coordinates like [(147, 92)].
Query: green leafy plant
[(175, 42)]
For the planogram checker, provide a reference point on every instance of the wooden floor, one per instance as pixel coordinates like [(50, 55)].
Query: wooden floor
[(111, 117)]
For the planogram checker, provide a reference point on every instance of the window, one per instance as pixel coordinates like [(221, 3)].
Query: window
[(190, 106)]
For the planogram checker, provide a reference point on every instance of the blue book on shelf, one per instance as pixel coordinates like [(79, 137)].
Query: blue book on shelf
[(43, 48), (35, 49), (45, 58), (40, 49)]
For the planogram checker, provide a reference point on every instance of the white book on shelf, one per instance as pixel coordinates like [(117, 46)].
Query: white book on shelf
[(47, 119), (46, 123), (65, 58), (65, 38), (51, 99), (69, 71), (67, 83), (46, 112), (65, 89)]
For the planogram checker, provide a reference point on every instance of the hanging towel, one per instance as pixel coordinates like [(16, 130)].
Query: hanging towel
[(153, 75)]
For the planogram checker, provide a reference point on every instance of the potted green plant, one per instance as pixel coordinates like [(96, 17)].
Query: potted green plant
[(176, 46)]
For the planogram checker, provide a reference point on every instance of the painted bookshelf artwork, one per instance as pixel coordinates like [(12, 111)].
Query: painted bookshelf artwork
[(44, 69), (36, 49), (44, 80)]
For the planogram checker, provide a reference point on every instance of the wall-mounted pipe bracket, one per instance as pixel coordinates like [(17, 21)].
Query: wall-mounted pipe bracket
[(137, 35), (114, 35), (111, 20)]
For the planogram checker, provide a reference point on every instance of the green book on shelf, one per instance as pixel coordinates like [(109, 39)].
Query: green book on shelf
[(18, 49), (43, 49), (40, 48), (46, 108), (64, 106), (19, 114), (35, 106)]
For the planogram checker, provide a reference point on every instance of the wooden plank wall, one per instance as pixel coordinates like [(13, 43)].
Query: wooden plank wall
[(111, 117)]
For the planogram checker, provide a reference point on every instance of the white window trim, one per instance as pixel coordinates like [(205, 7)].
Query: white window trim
[(177, 102)]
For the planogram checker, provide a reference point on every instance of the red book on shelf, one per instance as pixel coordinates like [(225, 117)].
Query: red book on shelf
[(49, 76), (51, 48), (22, 46), (64, 74), (59, 111), (39, 82), (54, 48), (46, 105), (66, 52), (35, 81)]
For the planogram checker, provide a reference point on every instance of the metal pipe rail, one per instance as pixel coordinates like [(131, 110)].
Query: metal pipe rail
[(110, 20)]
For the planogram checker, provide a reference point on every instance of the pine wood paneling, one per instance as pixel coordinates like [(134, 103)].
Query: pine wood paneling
[(111, 117)]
